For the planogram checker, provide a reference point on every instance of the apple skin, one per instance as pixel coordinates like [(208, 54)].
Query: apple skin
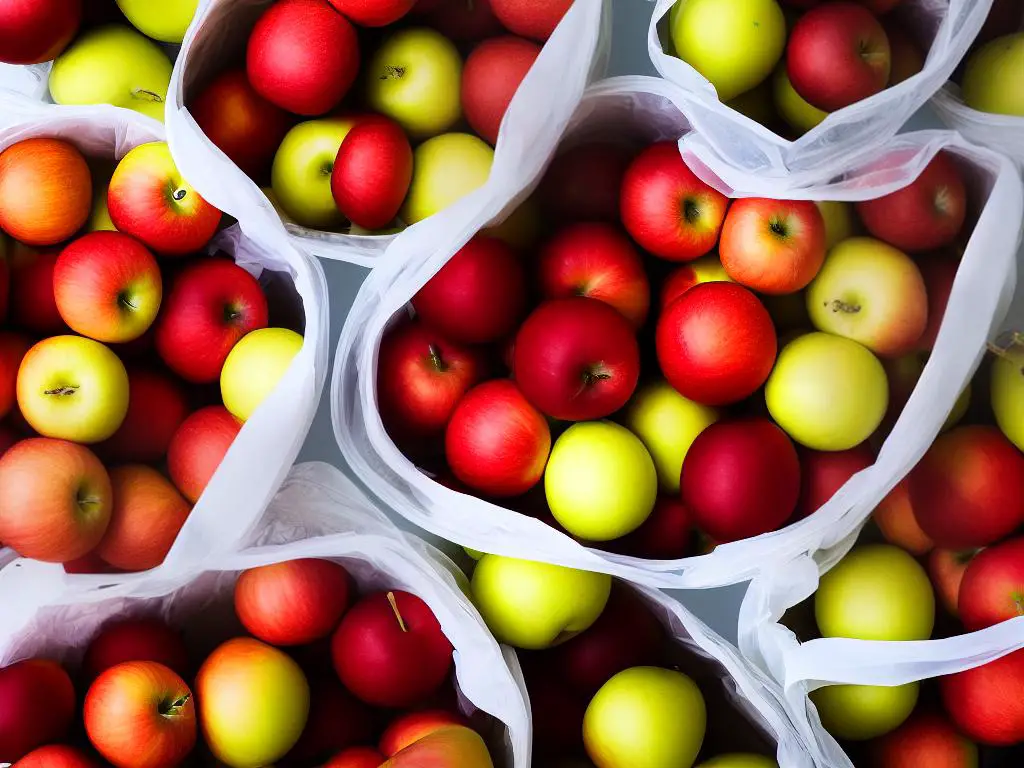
[(739, 760), (946, 569), (211, 305), (373, 13), (33, 32), (461, 21), (968, 490), (716, 343), (926, 738), (490, 78), (772, 246), (242, 124), (478, 296), (33, 306), (985, 702), (895, 518), (535, 19), (926, 214), (840, 221), (390, 650), (56, 756), (412, 727), (356, 757), (876, 592), (255, 366), (372, 172), (533, 605), (823, 473), (906, 55), (582, 183), (446, 168), (938, 274), (45, 191), (706, 269), (666, 209), (1007, 393), (992, 589), (337, 720), (166, 24), (303, 56), (38, 706), (292, 603), (596, 261), (253, 703), (791, 106), (198, 447), (140, 714), (666, 534), (156, 409), (863, 712), (144, 639), (13, 347), (454, 745), (837, 54), (988, 70)]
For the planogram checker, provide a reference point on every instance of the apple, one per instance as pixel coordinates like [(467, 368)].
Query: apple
[(907, 58), (143, 639), (490, 79), (198, 447), (533, 605), (45, 191), (390, 650), (772, 246), (460, 20), (645, 716), (211, 306), (706, 269), (140, 714), (373, 13), (255, 366), (666, 209), (356, 757), (156, 409), (756, 103), (895, 518), (990, 70), (968, 490), (666, 534), (243, 683), (992, 589), (863, 712), (13, 347), (984, 702), (716, 343), (34, 32), (294, 602), (242, 124), (455, 745), (823, 473), (734, 44), (791, 106), (414, 78), (582, 183), (876, 592), (8, 439), (840, 221), (372, 172), (938, 274), (926, 214), (926, 738), (113, 64), (478, 296), (56, 756), (521, 228), (446, 168), (557, 712), (946, 568), (412, 727), (337, 720), (166, 24), (739, 760), (73, 388), (1007, 393), (33, 306), (37, 706), (534, 20)]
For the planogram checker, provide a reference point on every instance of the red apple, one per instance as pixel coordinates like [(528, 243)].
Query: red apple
[(535, 19), (491, 77), (666, 534), (741, 478), (33, 305), (143, 639), (37, 706), (140, 715), (372, 172), (294, 602), (968, 490), (147, 514), (56, 756), (823, 473), (356, 757), (55, 499), (303, 56), (926, 739), (895, 518), (337, 721), (389, 650), (410, 728), (212, 304), (928, 213), (666, 208), (373, 13), (992, 589), (773, 246), (576, 359), (451, 746), (685, 276), (985, 702), (716, 343), (837, 54), (906, 55), (241, 123), (461, 20), (34, 31), (13, 347), (583, 183), (496, 442), (198, 448), (156, 409), (938, 273), (946, 568), (478, 296)]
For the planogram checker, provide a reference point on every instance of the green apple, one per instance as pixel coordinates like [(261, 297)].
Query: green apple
[(415, 79), (165, 21), (537, 605), (840, 221), (862, 712), (735, 44), (739, 760), (667, 423), (800, 115), (301, 174), (115, 65), (645, 717), (828, 393), (254, 367), (1008, 395), (446, 168), (876, 592), (994, 78)]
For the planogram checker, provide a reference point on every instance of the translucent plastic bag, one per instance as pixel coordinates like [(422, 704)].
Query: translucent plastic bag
[(318, 513), (655, 110), (575, 54), (1003, 133), (828, 149)]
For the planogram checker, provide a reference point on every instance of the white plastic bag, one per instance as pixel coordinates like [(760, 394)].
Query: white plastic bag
[(829, 148), (268, 443), (318, 513), (655, 110), (1003, 133), (575, 54), (31, 81)]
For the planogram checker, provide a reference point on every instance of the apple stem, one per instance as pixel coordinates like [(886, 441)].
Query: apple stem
[(144, 95), (393, 73), (436, 360), (61, 391), (1006, 343), (173, 709), (842, 306), (179, 194), (398, 614), (592, 377)]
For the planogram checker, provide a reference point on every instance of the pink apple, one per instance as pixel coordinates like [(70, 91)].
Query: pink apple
[(13, 347), (583, 182), (198, 448), (490, 78), (34, 31), (156, 408), (143, 639), (372, 172), (992, 589), (37, 706)]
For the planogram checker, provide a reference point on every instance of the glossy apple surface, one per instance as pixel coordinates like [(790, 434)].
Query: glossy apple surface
[(984, 703), (453, 746), (156, 408), (1007, 394), (706, 269), (38, 706), (446, 168), (490, 78), (863, 712), (926, 738), (992, 589), (946, 568), (412, 727), (791, 106), (823, 473), (166, 23), (895, 518), (373, 13), (56, 756), (988, 75), (198, 447), (372, 172), (533, 20), (142, 639), (255, 366), (34, 32)]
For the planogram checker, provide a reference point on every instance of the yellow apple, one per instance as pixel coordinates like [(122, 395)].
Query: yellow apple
[(840, 221), (667, 423), (445, 169), (165, 21), (254, 367), (800, 115), (739, 760), (994, 78), (1008, 395), (862, 712)]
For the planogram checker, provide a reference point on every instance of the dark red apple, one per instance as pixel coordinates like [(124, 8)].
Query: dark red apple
[(144, 639), (938, 273), (373, 13), (34, 31), (822, 473), (37, 706), (372, 172), (992, 589), (985, 702), (926, 739), (156, 409), (13, 347), (583, 183), (666, 534), (198, 448), (461, 20), (491, 77), (337, 721), (32, 304), (535, 19)]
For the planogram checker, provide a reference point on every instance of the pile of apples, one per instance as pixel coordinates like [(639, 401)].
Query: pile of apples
[(115, 333), (732, 355), (392, 86), (313, 675), (604, 678), (990, 77), (800, 60)]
